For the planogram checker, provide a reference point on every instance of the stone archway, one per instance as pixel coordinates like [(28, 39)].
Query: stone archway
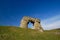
[(36, 23)]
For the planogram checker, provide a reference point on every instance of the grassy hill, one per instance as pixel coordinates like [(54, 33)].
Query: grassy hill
[(16, 33)]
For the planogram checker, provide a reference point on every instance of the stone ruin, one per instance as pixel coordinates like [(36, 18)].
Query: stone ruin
[(36, 23)]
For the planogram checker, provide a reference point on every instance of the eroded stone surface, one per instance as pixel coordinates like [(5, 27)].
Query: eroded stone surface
[(36, 23)]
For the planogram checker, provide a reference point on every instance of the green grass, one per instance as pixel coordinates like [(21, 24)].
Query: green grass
[(16, 33)]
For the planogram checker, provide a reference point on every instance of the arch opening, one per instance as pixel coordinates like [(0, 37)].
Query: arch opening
[(30, 25)]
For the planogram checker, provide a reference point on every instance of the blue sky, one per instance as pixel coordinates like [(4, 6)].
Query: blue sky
[(48, 11)]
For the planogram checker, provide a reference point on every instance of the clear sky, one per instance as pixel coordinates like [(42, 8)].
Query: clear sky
[(48, 11)]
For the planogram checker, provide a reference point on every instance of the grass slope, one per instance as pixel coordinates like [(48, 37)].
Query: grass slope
[(15, 33)]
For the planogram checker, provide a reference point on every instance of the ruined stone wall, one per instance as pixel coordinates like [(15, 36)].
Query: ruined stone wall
[(36, 23)]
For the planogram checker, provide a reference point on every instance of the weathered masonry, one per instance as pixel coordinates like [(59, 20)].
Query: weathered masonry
[(36, 23)]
